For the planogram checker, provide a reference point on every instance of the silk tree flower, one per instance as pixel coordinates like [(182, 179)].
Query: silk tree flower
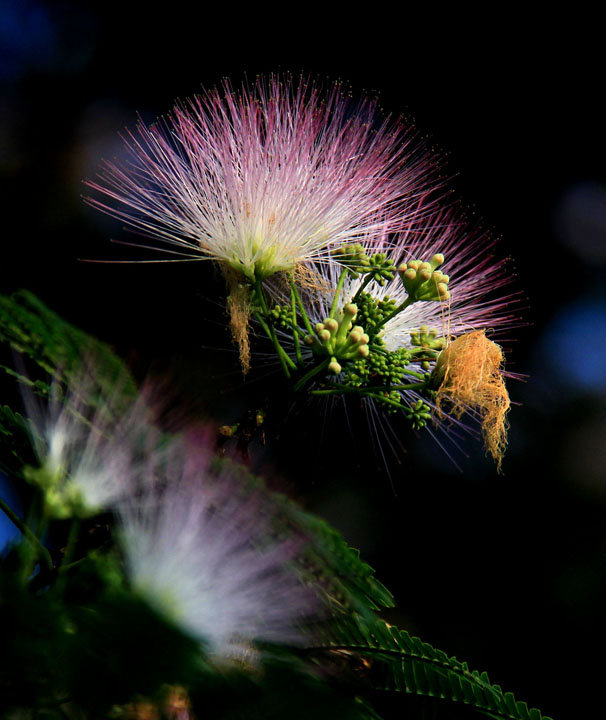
[(477, 282), (201, 547), (87, 454), (267, 178), (413, 326)]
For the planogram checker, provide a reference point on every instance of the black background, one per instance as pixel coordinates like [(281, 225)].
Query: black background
[(505, 571)]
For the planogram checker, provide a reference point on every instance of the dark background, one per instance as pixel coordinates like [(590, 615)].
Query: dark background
[(506, 571)]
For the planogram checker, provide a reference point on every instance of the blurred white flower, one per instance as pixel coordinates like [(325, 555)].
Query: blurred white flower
[(86, 446), (201, 546)]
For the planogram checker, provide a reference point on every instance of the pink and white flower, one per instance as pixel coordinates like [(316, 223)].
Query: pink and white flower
[(478, 282), (268, 177)]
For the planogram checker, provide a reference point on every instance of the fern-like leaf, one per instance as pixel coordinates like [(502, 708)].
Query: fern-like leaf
[(327, 562), (14, 441), (57, 347), (62, 351), (402, 663)]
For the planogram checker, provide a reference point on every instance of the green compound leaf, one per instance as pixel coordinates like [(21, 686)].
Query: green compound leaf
[(14, 440), (327, 562), (399, 662), (349, 582), (61, 350)]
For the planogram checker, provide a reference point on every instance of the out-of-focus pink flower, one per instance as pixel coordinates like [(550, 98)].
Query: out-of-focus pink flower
[(268, 177), (201, 545)]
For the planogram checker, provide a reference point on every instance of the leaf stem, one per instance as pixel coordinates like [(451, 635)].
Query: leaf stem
[(415, 657)]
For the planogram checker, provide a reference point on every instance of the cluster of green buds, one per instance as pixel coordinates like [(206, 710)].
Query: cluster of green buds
[(339, 338), (428, 343), (423, 281), (381, 268), (281, 315), (428, 339), (373, 313), (418, 414), (354, 258), (385, 368)]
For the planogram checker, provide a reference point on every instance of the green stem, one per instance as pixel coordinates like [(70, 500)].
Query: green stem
[(335, 300), (304, 317), (71, 541), (295, 329), (68, 566), (409, 301), (314, 371), (413, 373), (383, 399), (282, 356), (70, 546), (337, 390), (362, 287), (43, 553)]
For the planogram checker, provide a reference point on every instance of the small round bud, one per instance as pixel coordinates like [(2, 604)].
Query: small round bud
[(365, 339), (425, 274), (414, 264), (228, 430), (410, 274), (331, 325), (319, 327), (334, 367), (425, 266), (403, 268), (324, 335), (309, 340), (364, 351), (437, 275), (350, 309), (355, 336), (443, 291), (445, 278), (437, 259)]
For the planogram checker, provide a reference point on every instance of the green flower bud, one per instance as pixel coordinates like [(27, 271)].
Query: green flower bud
[(334, 367)]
